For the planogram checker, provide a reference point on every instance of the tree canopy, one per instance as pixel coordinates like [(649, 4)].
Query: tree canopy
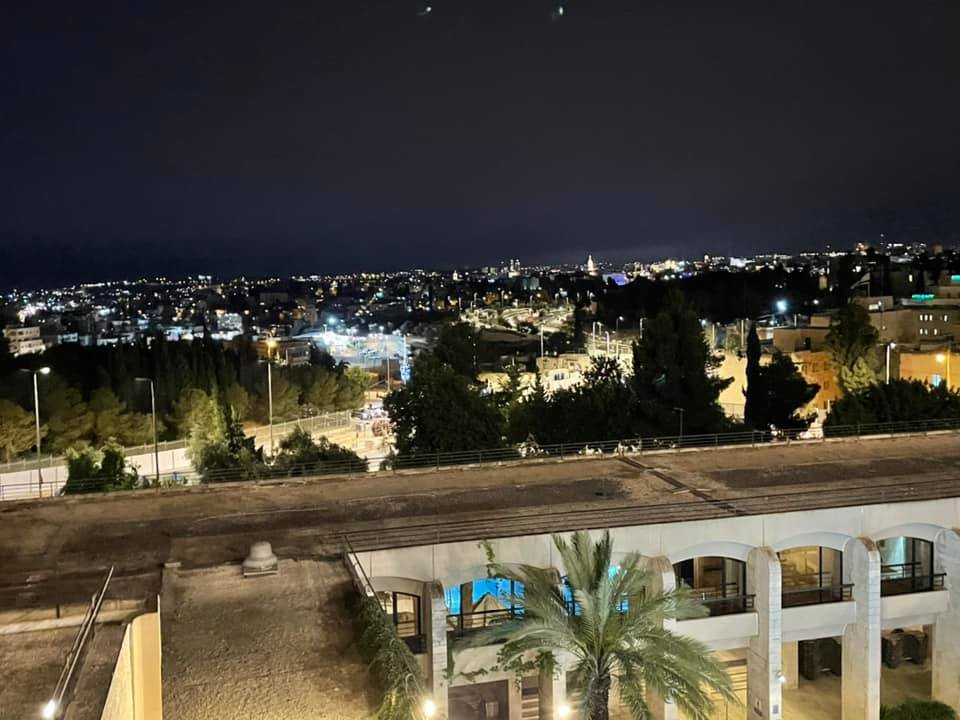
[(852, 341), (898, 400), (613, 629)]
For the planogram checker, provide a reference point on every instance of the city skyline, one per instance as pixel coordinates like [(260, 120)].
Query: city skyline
[(351, 135)]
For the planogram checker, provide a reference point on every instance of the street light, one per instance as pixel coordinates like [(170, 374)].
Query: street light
[(429, 708), (563, 712), (945, 359), (890, 346), (153, 413), (271, 346), (680, 410), (36, 414)]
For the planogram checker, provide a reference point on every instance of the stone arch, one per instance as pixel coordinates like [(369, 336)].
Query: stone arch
[(721, 548), (922, 531), (818, 538)]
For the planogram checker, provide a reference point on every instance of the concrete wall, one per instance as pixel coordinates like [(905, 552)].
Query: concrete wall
[(135, 690)]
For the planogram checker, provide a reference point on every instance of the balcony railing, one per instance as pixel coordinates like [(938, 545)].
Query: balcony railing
[(902, 578), (729, 605), (816, 594), (466, 623)]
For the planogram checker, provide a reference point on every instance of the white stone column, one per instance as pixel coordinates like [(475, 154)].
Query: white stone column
[(946, 630), (514, 699), (553, 691), (436, 624), (860, 693), (791, 665), (764, 670), (664, 580)]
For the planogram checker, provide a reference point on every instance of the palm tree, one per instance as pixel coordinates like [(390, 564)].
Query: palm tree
[(612, 628)]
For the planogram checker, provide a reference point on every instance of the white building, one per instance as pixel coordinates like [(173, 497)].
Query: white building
[(799, 581), (24, 340)]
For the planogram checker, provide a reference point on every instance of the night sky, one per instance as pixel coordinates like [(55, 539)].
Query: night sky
[(145, 137)]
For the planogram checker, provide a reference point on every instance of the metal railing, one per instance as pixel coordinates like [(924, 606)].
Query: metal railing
[(463, 624), (55, 705), (902, 579), (729, 605), (532, 452), (312, 423), (816, 595)]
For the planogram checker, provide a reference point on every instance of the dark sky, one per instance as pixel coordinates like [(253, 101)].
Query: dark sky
[(161, 136)]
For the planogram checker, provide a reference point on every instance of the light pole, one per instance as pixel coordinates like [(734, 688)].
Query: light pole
[(36, 413), (890, 346), (945, 359), (271, 345), (153, 413), (680, 410), (616, 327)]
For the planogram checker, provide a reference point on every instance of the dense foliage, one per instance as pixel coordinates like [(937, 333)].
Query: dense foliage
[(775, 392), (853, 343), (616, 631), (391, 662), (104, 470), (93, 393), (918, 710), (896, 401)]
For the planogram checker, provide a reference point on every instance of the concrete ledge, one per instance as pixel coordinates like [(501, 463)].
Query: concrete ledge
[(112, 611)]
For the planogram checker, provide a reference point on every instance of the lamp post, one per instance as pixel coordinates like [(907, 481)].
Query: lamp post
[(271, 345), (153, 413), (890, 346), (36, 414), (680, 410), (944, 359)]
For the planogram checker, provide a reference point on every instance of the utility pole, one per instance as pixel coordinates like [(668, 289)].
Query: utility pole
[(153, 413)]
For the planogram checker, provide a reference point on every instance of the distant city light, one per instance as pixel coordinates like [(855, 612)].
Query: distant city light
[(781, 306)]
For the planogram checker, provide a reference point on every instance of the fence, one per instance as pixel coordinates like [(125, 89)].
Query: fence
[(21, 480), (530, 451)]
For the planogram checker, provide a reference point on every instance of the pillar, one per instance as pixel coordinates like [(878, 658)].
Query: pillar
[(764, 671), (791, 666), (436, 624), (946, 629), (860, 690), (514, 699), (553, 691), (664, 580)]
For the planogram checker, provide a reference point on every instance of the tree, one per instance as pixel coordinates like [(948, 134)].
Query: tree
[(613, 629), (17, 430), (112, 421), (237, 398), (776, 392), (322, 392), (852, 341), (440, 410), (300, 454), (753, 393), (217, 446), (672, 370), (457, 347), (68, 417), (896, 401), (190, 401), (286, 399), (104, 470), (351, 391)]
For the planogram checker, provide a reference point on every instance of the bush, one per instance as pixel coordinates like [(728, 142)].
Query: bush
[(391, 662), (918, 710)]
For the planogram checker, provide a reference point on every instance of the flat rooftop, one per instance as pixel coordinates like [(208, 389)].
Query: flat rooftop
[(56, 549), (278, 647)]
